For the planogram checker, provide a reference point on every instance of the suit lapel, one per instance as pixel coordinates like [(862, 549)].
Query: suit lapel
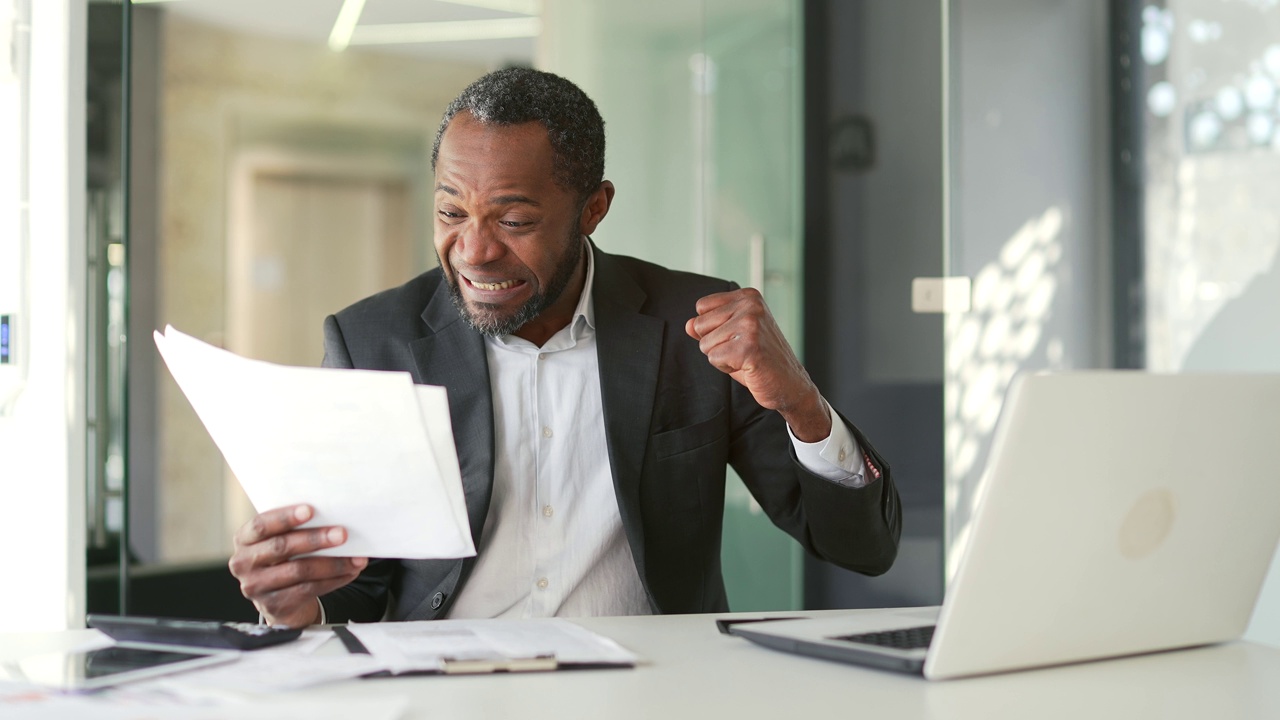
[(454, 356), (629, 349)]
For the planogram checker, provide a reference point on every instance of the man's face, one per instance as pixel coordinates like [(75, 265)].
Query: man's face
[(508, 238)]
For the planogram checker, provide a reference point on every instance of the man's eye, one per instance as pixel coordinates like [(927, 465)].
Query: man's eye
[(448, 215), (513, 223)]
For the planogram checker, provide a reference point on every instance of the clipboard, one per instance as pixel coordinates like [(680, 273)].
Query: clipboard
[(476, 666)]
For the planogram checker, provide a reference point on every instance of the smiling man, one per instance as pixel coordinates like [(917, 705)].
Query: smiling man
[(596, 401)]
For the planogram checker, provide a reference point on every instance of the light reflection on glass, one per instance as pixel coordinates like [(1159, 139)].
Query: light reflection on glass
[(1259, 92), (1157, 25), (1260, 127), (1162, 98), (1229, 103), (1005, 327), (1202, 32), (1212, 163), (1205, 129), (1271, 59)]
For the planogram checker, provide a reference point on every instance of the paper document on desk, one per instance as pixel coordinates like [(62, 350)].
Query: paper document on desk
[(279, 668), (370, 451), (432, 645)]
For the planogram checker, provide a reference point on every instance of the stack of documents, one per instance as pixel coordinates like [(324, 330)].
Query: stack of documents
[(471, 646), (370, 451)]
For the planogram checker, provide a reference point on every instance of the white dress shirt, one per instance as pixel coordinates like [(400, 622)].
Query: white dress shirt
[(553, 543)]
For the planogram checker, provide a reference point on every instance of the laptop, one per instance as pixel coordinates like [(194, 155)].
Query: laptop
[(1120, 513)]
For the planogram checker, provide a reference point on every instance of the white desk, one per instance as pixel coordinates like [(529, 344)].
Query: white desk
[(692, 671)]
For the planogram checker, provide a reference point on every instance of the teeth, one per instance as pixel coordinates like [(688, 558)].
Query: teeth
[(494, 286)]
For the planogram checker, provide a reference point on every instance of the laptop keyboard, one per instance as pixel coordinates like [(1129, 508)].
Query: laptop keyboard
[(904, 639)]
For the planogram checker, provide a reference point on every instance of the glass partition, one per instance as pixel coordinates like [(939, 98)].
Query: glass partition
[(1211, 100), (280, 171), (1208, 146), (705, 150), (1028, 171)]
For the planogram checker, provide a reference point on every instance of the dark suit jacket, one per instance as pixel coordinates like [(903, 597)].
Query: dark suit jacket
[(672, 423)]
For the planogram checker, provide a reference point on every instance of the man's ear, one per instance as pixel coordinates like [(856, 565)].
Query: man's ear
[(596, 207)]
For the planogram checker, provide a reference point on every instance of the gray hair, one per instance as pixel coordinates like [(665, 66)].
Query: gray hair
[(513, 96)]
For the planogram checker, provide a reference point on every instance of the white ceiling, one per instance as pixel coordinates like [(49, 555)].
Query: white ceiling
[(313, 20)]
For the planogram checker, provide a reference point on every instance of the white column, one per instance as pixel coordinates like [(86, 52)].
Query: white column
[(42, 441)]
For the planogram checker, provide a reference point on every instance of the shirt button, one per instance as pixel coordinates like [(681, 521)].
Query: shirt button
[(840, 457), (546, 432), (547, 511), (543, 583), (542, 356)]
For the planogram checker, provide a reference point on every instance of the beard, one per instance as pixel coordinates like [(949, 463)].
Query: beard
[(489, 319)]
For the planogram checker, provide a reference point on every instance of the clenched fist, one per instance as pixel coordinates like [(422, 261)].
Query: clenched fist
[(739, 336)]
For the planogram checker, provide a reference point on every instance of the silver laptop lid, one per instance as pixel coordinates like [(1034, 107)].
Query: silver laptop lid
[(1121, 512)]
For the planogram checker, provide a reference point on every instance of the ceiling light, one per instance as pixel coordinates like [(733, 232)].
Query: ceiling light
[(348, 16), (430, 32), (523, 7)]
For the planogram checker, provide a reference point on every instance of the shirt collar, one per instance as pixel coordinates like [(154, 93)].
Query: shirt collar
[(586, 308), (581, 326)]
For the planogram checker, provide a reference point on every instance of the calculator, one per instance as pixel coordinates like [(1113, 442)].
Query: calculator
[(199, 633)]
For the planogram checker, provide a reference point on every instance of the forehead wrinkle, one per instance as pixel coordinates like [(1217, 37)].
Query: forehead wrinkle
[(514, 200), (511, 199)]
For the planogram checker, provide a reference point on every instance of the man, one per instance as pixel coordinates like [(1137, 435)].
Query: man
[(595, 401)]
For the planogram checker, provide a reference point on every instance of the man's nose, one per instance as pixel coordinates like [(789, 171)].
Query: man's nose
[(478, 245)]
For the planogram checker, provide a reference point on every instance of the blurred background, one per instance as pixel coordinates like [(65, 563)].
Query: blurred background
[(1092, 179)]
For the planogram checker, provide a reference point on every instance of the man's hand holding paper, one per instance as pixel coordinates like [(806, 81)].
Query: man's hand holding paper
[(342, 465), (279, 570)]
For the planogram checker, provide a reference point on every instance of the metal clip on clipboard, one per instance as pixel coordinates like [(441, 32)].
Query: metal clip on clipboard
[(476, 666)]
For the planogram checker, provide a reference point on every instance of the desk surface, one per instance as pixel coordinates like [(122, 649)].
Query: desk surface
[(693, 671)]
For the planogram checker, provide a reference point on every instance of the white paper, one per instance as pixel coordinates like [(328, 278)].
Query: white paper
[(257, 672), (407, 646), (288, 666), (368, 450)]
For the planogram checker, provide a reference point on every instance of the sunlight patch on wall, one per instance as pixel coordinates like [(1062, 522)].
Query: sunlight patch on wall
[(1012, 303)]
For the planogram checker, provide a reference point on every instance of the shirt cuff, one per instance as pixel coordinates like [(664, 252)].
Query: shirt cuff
[(838, 458)]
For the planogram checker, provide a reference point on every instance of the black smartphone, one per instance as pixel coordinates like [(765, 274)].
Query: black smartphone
[(198, 633)]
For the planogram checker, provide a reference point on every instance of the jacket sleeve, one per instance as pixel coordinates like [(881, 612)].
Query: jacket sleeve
[(855, 528)]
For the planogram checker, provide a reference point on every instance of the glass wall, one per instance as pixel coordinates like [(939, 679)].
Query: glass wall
[(280, 171), (702, 102), (1212, 150), (291, 180), (1210, 92)]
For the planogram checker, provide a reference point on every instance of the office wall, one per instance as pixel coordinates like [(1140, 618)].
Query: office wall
[(1029, 219), (42, 443), (223, 96)]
